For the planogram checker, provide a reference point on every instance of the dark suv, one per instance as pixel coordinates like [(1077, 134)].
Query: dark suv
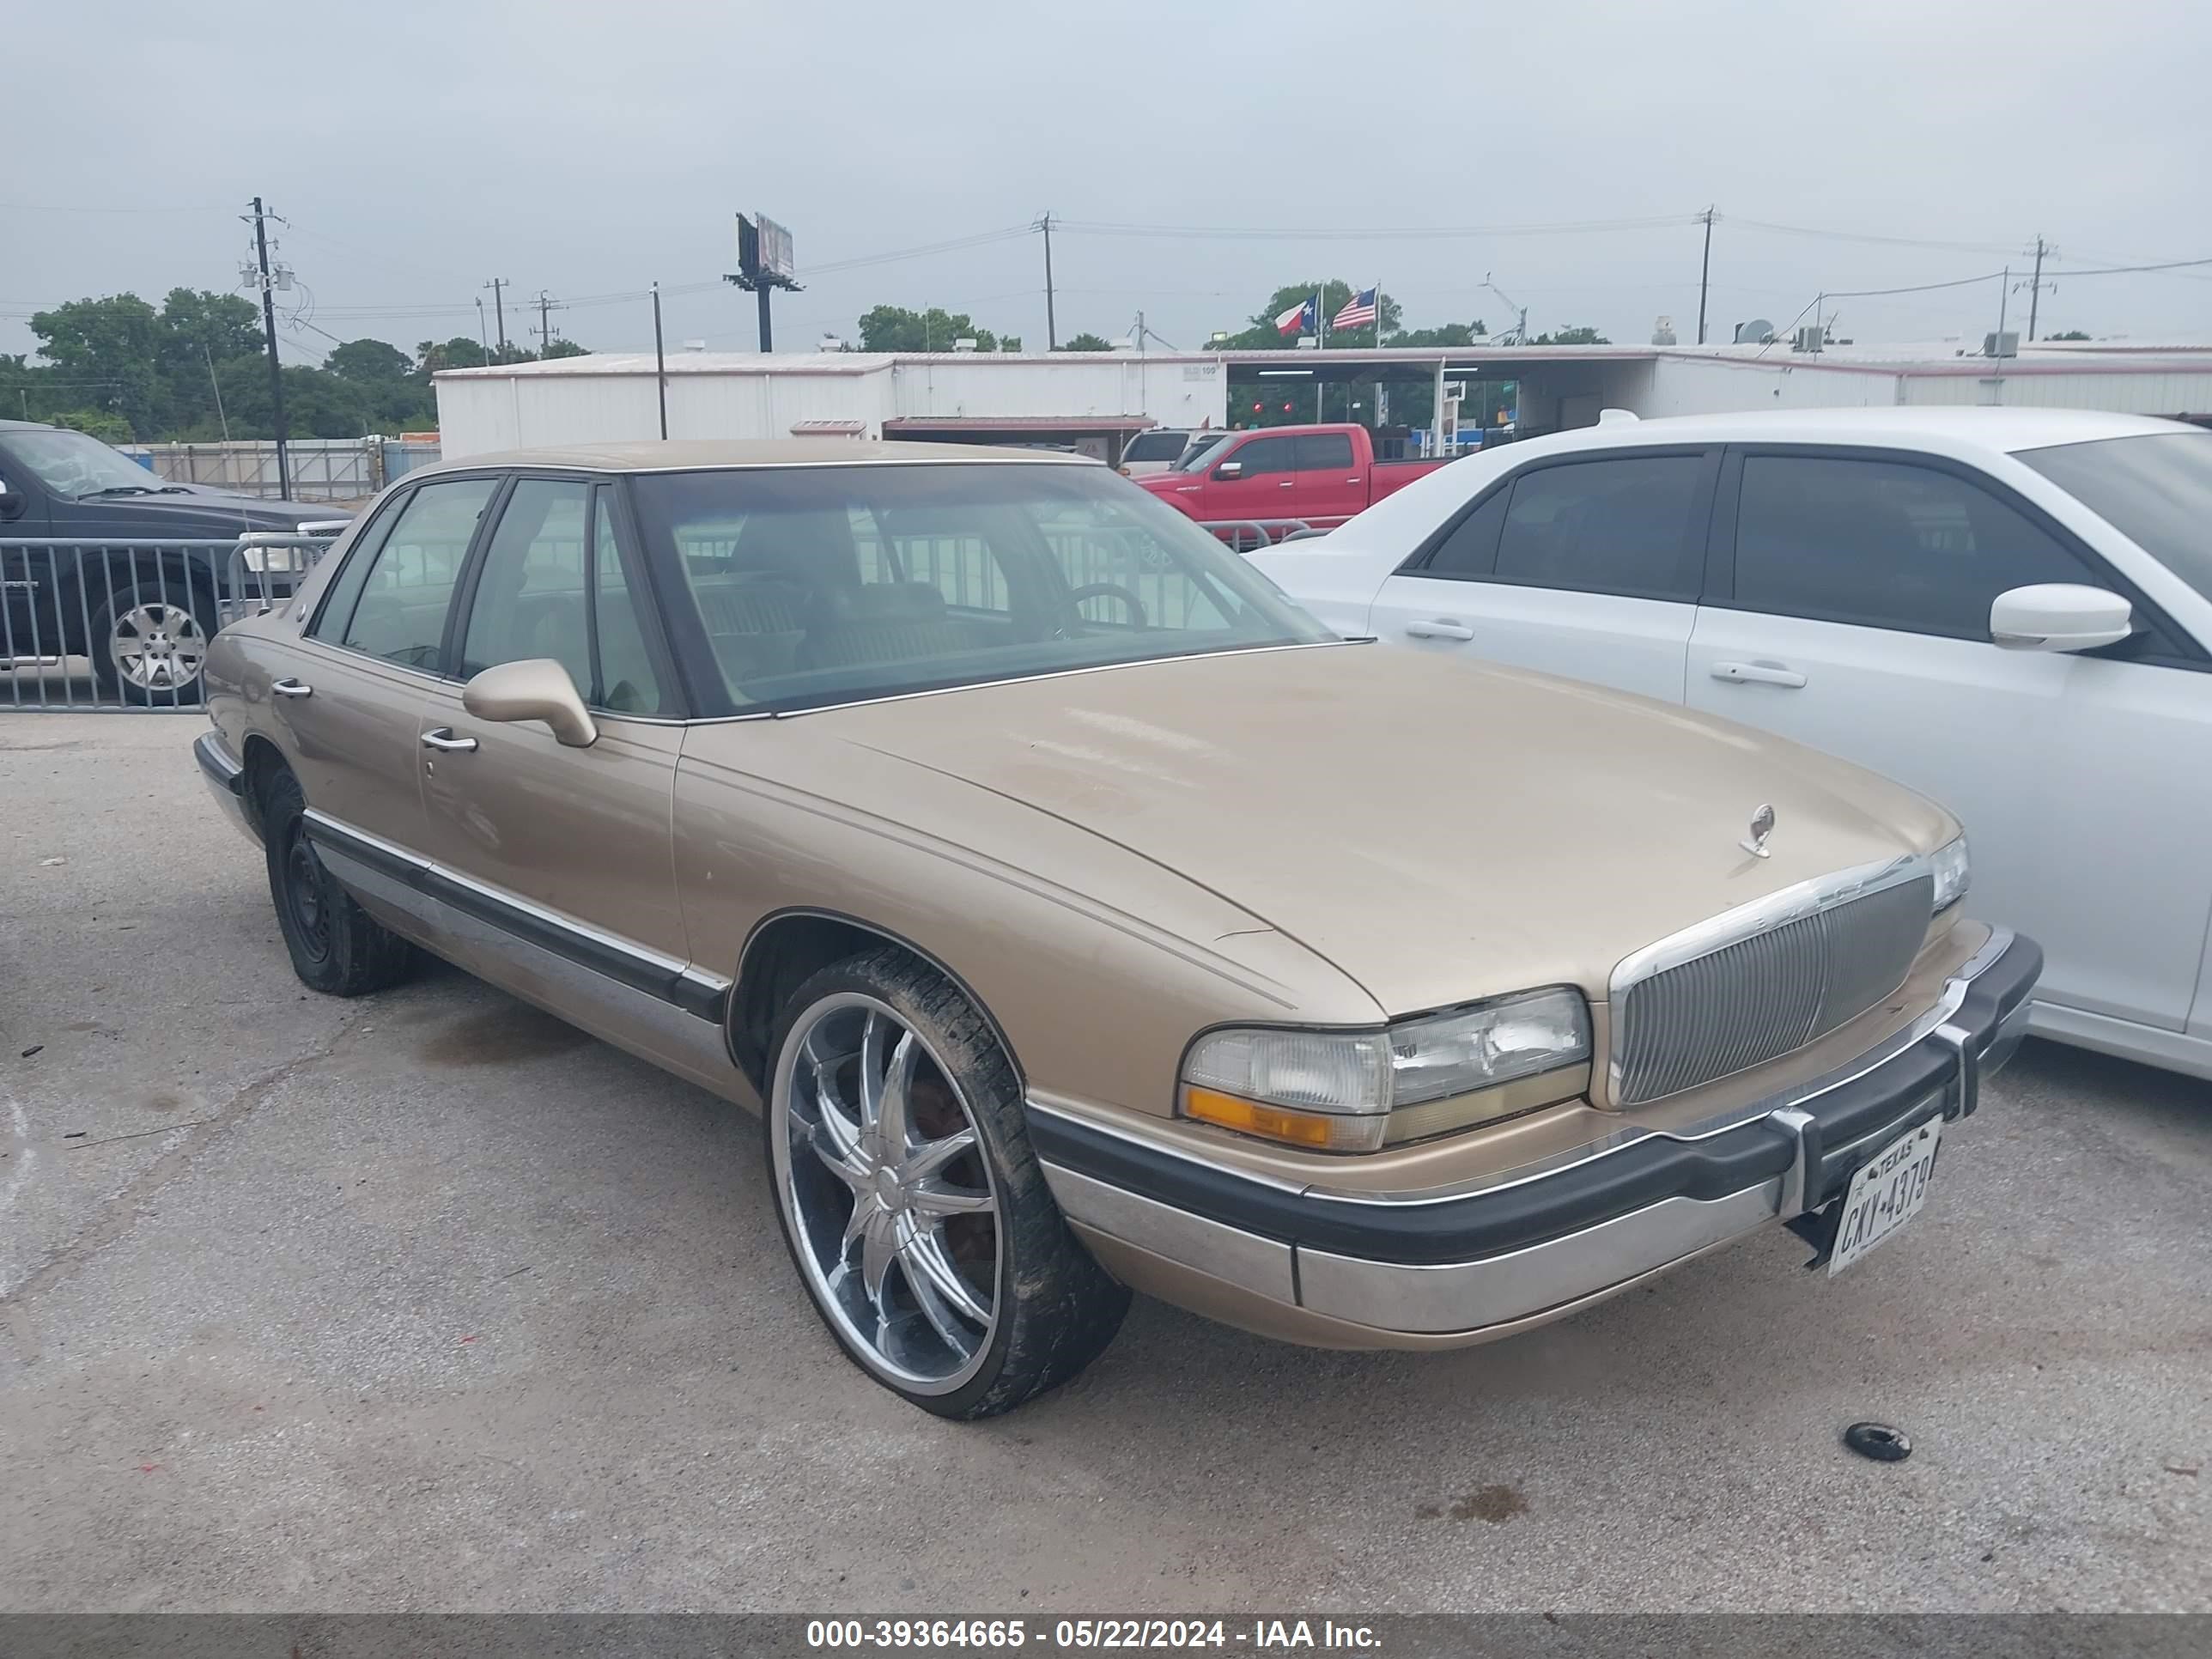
[(144, 615)]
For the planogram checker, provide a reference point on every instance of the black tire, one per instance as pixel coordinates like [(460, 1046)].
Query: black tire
[(1055, 1309), (149, 636), (338, 948)]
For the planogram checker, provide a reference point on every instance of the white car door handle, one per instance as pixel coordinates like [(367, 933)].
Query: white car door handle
[(443, 739), (1758, 673), (1441, 627), (292, 688)]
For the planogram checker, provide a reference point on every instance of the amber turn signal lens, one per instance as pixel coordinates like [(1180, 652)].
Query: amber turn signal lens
[(1326, 1131)]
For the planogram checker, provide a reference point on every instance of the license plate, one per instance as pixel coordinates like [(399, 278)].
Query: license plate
[(1886, 1193)]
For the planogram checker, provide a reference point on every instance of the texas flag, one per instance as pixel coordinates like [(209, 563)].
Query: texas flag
[(1298, 319)]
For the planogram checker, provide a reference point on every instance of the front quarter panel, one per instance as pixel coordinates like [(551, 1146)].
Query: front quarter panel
[(1098, 965)]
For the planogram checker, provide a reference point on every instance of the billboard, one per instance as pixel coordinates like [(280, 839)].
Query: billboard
[(764, 250)]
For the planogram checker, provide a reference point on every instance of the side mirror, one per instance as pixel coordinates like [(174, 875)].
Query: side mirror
[(535, 688), (2059, 616), (1230, 470), (12, 501)]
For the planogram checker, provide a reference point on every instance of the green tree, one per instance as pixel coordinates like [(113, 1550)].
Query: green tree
[(1444, 334), (1085, 343), (460, 352), (895, 328), (2069, 334), (107, 428), (1584, 336), (316, 403), (369, 362), (564, 348), (110, 348)]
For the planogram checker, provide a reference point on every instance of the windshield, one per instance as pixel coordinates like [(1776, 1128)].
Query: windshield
[(813, 585), (73, 465), (1201, 448), (2156, 490)]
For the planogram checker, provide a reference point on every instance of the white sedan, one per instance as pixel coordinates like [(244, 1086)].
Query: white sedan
[(2008, 610)]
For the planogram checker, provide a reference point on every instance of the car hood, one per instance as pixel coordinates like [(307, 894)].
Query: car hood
[(255, 512), (1439, 830)]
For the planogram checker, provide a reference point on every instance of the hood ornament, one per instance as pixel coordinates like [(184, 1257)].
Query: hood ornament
[(1762, 826)]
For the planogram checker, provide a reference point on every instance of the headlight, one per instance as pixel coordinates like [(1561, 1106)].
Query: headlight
[(275, 559), (1354, 1091), (1952, 873)]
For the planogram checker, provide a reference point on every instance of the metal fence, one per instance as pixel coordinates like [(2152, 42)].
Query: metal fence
[(124, 625), (323, 469)]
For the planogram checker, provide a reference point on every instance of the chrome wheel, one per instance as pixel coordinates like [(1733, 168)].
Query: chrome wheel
[(157, 646), (893, 1211)]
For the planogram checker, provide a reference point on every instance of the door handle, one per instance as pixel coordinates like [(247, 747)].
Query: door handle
[(1287, 484), (1758, 673), (292, 688), (1440, 627), (443, 739)]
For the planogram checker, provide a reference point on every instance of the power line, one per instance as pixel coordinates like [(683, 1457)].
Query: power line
[(49, 207), (1865, 236), (1324, 233)]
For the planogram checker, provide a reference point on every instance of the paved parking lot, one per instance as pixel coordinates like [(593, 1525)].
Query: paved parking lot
[(430, 1302)]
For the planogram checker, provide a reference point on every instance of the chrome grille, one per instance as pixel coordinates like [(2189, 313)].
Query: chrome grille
[(1754, 998)]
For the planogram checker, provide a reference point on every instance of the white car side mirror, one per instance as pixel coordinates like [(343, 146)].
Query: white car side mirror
[(2059, 616)]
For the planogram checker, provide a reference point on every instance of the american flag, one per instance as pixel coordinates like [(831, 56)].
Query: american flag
[(1360, 308)]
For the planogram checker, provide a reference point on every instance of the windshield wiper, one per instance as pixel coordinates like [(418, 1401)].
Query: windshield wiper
[(117, 489)]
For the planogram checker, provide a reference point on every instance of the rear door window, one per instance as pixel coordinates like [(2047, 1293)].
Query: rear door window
[(409, 585), (1626, 525), (1325, 452)]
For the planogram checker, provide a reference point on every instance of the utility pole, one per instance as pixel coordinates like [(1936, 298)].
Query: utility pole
[(660, 361), (484, 335), (1051, 326), (546, 304), (499, 285), (269, 332), (2035, 289), (1704, 273)]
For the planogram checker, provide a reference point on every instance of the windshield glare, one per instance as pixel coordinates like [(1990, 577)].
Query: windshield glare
[(74, 464), (2156, 490), (834, 583)]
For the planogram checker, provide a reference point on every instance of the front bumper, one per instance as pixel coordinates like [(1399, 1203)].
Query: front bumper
[(1430, 1268), (226, 781)]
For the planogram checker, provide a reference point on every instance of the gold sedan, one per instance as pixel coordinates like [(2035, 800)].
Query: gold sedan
[(1086, 916)]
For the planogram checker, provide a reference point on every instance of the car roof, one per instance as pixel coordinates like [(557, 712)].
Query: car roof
[(696, 454), (2000, 429), (27, 426)]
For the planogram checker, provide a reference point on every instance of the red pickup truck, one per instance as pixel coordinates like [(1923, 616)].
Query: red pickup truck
[(1321, 475)]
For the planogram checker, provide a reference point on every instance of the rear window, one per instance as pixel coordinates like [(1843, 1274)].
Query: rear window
[(1154, 446), (2156, 490), (816, 586)]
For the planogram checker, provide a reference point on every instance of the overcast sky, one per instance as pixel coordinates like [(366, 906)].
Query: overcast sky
[(588, 148)]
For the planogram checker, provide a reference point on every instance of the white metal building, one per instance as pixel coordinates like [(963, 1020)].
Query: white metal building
[(1093, 400)]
